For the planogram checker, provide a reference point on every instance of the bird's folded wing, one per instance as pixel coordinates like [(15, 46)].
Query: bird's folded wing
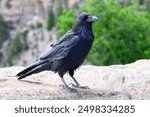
[(66, 36), (61, 49)]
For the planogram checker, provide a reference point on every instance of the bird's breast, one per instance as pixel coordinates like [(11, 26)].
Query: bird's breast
[(80, 51)]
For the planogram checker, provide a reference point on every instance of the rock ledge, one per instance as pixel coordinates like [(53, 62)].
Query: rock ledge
[(130, 81)]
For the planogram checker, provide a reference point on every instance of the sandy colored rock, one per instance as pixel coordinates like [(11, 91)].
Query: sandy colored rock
[(131, 81)]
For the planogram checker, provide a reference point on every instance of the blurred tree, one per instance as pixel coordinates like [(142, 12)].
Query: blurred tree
[(4, 27), (65, 22), (17, 45), (50, 21), (121, 36)]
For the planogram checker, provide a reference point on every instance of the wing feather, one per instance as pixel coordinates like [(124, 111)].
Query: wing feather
[(62, 48)]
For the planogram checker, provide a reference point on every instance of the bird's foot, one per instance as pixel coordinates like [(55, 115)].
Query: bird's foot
[(70, 89), (62, 86), (78, 86)]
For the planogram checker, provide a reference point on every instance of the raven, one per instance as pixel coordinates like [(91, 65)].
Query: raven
[(68, 53)]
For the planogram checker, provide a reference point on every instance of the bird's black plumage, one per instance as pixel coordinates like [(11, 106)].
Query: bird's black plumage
[(68, 53)]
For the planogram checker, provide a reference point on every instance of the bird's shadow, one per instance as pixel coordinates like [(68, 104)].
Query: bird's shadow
[(37, 83), (31, 82)]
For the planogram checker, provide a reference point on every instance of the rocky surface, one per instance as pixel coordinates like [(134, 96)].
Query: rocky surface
[(131, 81)]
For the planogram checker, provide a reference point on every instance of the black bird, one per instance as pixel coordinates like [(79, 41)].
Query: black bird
[(68, 53)]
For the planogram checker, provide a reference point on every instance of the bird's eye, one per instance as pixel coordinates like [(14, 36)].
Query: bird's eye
[(86, 17)]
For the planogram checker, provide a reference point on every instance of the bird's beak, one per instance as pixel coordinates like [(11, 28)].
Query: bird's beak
[(92, 19)]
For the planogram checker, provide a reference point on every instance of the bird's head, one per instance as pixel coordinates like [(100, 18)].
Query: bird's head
[(87, 18)]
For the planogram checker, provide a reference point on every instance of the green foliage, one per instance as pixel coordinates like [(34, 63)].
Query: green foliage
[(121, 36), (4, 26), (50, 21), (17, 45), (65, 22)]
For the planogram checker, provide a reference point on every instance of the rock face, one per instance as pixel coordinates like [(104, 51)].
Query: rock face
[(131, 81), (29, 17), (26, 10)]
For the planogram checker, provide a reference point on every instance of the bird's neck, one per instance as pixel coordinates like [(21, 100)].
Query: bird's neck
[(84, 30)]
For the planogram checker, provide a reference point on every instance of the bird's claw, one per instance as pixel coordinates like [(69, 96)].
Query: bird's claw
[(62, 86), (78, 86), (70, 89), (83, 87)]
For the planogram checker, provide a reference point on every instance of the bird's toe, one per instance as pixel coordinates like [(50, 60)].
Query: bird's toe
[(83, 87), (68, 88), (72, 90), (62, 86), (78, 86)]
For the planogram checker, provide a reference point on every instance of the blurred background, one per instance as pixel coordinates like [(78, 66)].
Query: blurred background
[(29, 27)]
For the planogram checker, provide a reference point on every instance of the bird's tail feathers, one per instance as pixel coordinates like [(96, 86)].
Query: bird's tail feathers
[(33, 68)]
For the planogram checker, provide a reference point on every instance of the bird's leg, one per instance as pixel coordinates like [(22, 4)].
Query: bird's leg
[(72, 90), (76, 85)]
